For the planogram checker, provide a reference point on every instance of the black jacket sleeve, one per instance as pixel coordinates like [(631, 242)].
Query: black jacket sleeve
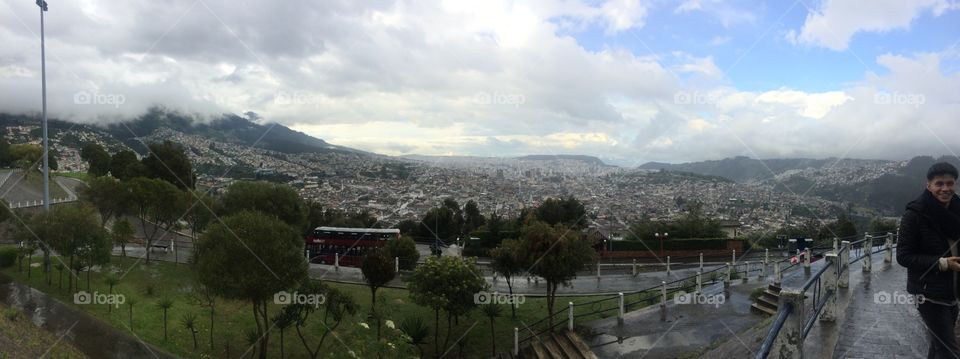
[(909, 248)]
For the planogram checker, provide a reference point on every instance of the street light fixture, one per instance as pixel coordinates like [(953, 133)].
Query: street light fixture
[(46, 148), (661, 237)]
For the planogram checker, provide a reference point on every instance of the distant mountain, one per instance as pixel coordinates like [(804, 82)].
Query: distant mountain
[(467, 160), (581, 158), (228, 128), (746, 169)]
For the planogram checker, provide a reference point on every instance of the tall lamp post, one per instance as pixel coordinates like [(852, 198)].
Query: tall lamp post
[(661, 237), (46, 148)]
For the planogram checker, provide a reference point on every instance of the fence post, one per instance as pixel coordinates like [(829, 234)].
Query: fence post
[(306, 254), (598, 270), (888, 256), (726, 281), (734, 257), (763, 270), (336, 261), (663, 301), (777, 275), (701, 261), (516, 341), (396, 265), (569, 316), (790, 340), (668, 266), (806, 261), (828, 284), (634, 268), (699, 282), (620, 304), (844, 280), (836, 245), (868, 255), (746, 272)]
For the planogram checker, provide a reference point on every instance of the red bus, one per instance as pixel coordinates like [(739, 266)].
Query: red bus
[(349, 243)]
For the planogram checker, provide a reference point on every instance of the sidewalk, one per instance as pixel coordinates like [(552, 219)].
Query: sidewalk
[(689, 327)]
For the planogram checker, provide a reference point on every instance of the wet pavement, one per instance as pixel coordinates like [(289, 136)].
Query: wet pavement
[(688, 328)]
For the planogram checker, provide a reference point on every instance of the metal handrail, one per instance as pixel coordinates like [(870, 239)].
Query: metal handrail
[(775, 328)]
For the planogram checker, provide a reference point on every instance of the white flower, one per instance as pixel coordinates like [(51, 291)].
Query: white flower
[(364, 325), (390, 324)]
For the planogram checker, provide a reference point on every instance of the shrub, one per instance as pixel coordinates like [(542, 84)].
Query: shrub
[(8, 257)]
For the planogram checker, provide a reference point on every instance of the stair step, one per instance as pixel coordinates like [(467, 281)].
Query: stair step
[(582, 346), (553, 349), (763, 310), (538, 350), (569, 351), (774, 288), (768, 302)]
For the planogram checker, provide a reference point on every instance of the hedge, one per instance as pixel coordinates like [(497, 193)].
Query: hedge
[(671, 244), (8, 257)]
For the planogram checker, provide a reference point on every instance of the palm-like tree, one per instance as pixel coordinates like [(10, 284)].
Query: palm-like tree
[(111, 280), (418, 332), (165, 304), (283, 320), (492, 311), (189, 322)]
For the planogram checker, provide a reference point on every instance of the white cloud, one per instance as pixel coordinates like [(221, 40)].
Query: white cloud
[(473, 78), (835, 22)]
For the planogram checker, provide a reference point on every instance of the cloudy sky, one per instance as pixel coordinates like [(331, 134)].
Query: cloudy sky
[(629, 81)]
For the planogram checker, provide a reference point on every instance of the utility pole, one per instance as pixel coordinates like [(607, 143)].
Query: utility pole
[(46, 147)]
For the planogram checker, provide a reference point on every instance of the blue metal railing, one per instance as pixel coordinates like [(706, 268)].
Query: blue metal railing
[(819, 300)]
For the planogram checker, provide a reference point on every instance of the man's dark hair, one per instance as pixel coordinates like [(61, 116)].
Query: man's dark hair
[(940, 169)]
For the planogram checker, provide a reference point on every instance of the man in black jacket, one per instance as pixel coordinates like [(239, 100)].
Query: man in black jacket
[(927, 247)]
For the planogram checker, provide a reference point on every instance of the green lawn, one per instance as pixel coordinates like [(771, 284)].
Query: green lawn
[(35, 180), (83, 176), (234, 319), (19, 338)]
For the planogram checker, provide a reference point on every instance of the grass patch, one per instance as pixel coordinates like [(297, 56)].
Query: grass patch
[(147, 285), (35, 180), (19, 338), (83, 176)]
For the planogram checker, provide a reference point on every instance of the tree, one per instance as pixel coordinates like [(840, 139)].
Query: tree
[(569, 212), (165, 304), (472, 217), (111, 280), (558, 254), (78, 236), (405, 249), (131, 301), (336, 307), (108, 195), (168, 161), (122, 233), (124, 165), (276, 200), (26, 157), (378, 270), (509, 260), (158, 205), (492, 311), (97, 158), (251, 256), (189, 322), (5, 160), (431, 285), (283, 320)]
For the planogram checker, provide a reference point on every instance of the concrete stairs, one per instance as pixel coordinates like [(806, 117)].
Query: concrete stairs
[(767, 303), (564, 345)]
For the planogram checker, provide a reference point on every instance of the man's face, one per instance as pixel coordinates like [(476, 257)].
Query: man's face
[(942, 187)]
